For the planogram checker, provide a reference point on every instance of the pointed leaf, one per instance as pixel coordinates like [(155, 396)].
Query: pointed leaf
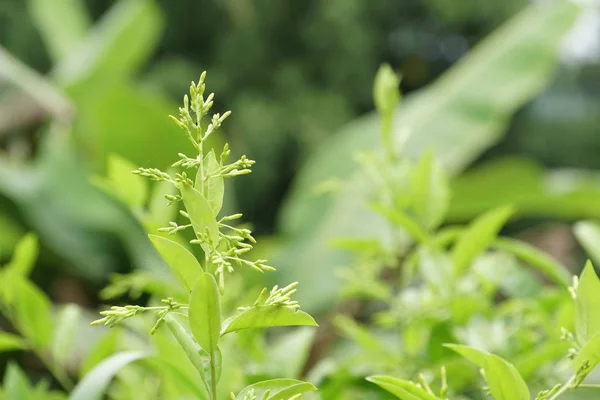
[(202, 216), (504, 380), (214, 186), (182, 262), (205, 313), (275, 386), (32, 313), (588, 234), (266, 317), (470, 353), (402, 389), (15, 384), (25, 255), (589, 356), (94, 385), (479, 235), (587, 304)]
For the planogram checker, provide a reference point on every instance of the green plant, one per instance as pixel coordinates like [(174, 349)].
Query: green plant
[(224, 247)]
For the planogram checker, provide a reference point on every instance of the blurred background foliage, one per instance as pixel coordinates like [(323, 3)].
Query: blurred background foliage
[(516, 122)]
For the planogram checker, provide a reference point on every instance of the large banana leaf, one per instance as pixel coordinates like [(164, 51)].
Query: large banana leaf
[(459, 116)]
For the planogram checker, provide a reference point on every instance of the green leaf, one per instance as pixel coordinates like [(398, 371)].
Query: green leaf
[(479, 235), (205, 313), (266, 317), (587, 304), (25, 255), (533, 190), (589, 356), (213, 186), (275, 386), (360, 334), (118, 44), (386, 95), (431, 192), (504, 380), (94, 385), (64, 334), (588, 234), (182, 262), (131, 188), (10, 342), (294, 390), (402, 389), (62, 24), (470, 353), (535, 258), (32, 313), (458, 117), (202, 216), (16, 385)]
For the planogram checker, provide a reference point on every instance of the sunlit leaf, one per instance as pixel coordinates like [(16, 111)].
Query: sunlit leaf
[(588, 234), (25, 255), (15, 384), (587, 304), (431, 192), (205, 313), (267, 316), (132, 189), (182, 262), (470, 353), (202, 216), (212, 182), (504, 380), (10, 342)]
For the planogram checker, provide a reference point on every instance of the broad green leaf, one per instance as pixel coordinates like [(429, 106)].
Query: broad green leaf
[(430, 192), (478, 236), (535, 258), (64, 333), (214, 186), (117, 45), (589, 355), (504, 380), (205, 313), (182, 262), (533, 190), (32, 313), (459, 116), (402, 389), (62, 24), (587, 304), (265, 317), (470, 353), (25, 255), (159, 210), (202, 216), (10, 342), (95, 384), (131, 188), (588, 234), (16, 384), (275, 386)]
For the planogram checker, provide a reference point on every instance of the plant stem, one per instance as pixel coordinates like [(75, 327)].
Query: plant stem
[(213, 377), (563, 389)]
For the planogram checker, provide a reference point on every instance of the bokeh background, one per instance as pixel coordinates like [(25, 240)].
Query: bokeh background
[(515, 121)]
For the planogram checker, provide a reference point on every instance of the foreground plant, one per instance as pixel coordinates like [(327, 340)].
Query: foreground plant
[(196, 322)]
